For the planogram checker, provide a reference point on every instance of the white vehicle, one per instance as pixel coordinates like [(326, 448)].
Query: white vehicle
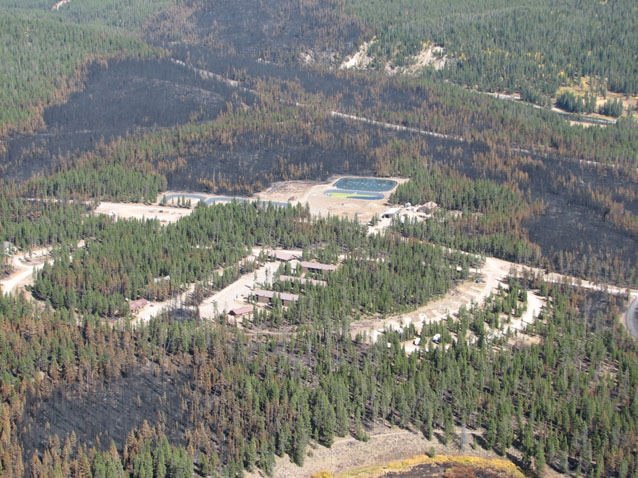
[(417, 341), (437, 338)]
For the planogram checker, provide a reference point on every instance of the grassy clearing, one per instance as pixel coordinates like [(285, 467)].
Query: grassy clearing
[(587, 85), (404, 465)]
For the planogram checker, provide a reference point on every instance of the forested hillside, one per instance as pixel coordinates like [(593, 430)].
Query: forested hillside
[(43, 60), (524, 46), (128, 100)]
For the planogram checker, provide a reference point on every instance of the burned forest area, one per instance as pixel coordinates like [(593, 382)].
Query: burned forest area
[(187, 289)]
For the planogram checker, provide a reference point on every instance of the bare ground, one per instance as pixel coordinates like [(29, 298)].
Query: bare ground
[(122, 210), (24, 265), (313, 193), (385, 444)]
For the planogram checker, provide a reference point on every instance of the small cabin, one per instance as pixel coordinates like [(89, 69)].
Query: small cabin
[(317, 267), (266, 297)]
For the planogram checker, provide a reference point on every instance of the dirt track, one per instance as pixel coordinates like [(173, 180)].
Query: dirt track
[(493, 272), (235, 294), (24, 266), (631, 318)]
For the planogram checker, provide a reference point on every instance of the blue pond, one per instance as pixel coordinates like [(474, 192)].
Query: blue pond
[(365, 184)]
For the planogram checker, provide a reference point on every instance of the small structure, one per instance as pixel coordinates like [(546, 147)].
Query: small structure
[(303, 280), (137, 305), (266, 296), (244, 311), (393, 211), (284, 256), (428, 207), (317, 267)]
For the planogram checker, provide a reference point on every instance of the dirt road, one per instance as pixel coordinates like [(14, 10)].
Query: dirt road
[(226, 299), (492, 274), (631, 319), (235, 294), (24, 265)]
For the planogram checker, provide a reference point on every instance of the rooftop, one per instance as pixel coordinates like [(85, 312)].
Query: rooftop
[(318, 266), (284, 256), (247, 309), (271, 293), (303, 280), (136, 305)]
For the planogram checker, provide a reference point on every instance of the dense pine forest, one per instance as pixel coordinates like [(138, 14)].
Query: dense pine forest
[(125, 100), (530, 47), (569, 402)]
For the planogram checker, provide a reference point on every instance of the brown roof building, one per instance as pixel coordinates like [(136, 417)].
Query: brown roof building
[(137, 304), (242, 311), (284, 256), (317, 266), (302, 280), (266, 296)]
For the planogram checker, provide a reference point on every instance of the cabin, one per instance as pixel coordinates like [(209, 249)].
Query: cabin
[(303, 280), (284, 256), (245, 311), (428, 207), (317, 267), (266, 296), (136, 305), (393, 211)]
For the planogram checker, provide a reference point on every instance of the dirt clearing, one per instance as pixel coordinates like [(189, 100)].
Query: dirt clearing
[(24, 266), (313, 193), (122, 210), (386, 444)]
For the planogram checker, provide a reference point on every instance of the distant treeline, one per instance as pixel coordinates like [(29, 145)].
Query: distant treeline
[(526, 46)]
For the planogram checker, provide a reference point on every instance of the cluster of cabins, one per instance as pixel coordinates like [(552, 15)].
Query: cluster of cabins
[(426, 208), (265, 297)]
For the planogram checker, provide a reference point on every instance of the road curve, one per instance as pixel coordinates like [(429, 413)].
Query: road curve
[(631, 319)]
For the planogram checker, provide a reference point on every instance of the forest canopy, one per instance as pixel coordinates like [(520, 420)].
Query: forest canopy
[(511, 46)]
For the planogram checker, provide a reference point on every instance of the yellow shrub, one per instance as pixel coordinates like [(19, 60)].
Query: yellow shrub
[(322, 474)]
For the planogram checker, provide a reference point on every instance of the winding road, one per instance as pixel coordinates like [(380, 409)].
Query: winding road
[(24, 266), (631, 319)]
